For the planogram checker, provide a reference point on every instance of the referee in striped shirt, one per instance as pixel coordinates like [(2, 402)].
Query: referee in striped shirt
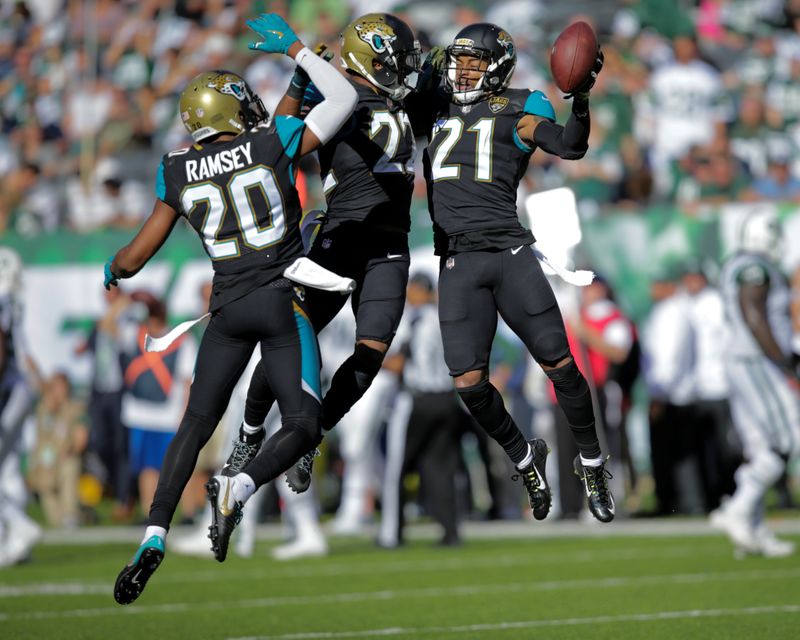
[(424, 430)]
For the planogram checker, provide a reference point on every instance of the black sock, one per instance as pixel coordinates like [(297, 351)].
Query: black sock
[(575, 400), (486, 405)]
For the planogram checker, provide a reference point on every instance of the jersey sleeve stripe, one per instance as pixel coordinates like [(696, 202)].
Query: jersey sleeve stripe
[(537, 104), (161, 185), (520, 144)]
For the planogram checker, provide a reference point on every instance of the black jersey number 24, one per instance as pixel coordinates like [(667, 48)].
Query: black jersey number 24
[(453, 130)]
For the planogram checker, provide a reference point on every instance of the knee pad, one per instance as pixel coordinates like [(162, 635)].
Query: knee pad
[(366, 363), (477, 397), (572, 392), (551, 348)]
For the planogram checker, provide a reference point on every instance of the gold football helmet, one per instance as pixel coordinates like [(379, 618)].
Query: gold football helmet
[(385, 41), (219, 102)]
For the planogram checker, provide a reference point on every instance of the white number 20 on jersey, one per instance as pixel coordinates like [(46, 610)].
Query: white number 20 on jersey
[(239, 187)]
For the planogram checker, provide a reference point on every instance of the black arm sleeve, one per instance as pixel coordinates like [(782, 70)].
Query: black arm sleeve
[(570, 141)]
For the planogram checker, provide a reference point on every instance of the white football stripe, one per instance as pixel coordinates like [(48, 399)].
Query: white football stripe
[(417, 593), (531, 624)]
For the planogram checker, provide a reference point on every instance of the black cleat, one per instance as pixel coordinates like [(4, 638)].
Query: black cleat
[(299, 476), (245, 449), (535, 480), (133, 578), (226, 513), (595, 481)]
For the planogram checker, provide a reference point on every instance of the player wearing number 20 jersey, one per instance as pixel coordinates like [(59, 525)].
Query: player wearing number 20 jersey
[(481, 136), (368, 176), (235, 187), (239, 196)]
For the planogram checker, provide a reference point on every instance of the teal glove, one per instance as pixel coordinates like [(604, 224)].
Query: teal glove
[(277, 35), (110, 279)]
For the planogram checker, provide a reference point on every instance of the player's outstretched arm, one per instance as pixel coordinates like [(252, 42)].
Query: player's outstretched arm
[(571, 141), (132, 257), (340, 98)]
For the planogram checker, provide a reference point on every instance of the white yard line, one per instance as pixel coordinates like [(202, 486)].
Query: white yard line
[(414, 593), (638, 527), (339, 569), (532, 624)]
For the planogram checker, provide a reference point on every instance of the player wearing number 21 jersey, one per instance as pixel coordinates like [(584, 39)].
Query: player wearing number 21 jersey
[(368, 177), (481, 136), (235, 187)]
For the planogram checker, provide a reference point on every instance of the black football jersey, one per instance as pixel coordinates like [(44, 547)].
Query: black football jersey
[(367, 170), (240, 198), (473, 165)]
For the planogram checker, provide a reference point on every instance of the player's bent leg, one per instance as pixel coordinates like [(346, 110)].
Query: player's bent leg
[(351, 380), (574, 398), (485, 404), (260, 399)]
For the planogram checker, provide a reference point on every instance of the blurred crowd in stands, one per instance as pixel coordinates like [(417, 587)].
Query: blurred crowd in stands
[(698, 105)]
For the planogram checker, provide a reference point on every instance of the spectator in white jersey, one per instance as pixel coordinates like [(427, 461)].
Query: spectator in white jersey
[(686, 105), (765, 382), (425, 437)]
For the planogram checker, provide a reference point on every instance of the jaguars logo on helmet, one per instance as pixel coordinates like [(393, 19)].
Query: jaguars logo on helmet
[(217, 102), (487, 42), (382, 49)]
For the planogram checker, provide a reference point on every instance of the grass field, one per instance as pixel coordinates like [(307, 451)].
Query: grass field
[(588, 587)]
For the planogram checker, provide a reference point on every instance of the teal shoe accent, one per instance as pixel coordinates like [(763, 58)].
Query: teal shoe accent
[(153, 542)]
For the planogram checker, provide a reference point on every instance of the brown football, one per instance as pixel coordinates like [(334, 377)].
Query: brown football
[(573, 56)]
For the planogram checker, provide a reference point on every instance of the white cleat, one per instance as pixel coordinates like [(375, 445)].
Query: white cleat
[(194, 544), (305, 547), (771, 546), (737, 528)]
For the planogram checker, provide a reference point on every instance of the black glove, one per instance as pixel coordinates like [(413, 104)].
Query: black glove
[(300, 79), (581, 94)]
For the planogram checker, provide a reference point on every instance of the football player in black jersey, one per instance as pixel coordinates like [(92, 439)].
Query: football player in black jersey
[(481, 137), (235, 187), (368, 177)]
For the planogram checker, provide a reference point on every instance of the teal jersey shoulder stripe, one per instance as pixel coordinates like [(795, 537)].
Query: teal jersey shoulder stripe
[(520, 144), (537, 104), (161, 186), (310, 362), (290, 132)]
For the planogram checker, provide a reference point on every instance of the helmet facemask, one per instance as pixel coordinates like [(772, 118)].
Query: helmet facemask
[(499, 62)]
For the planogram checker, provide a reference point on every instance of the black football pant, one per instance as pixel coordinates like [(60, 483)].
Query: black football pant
[(378, 261), (474, 287), (274, 317)]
